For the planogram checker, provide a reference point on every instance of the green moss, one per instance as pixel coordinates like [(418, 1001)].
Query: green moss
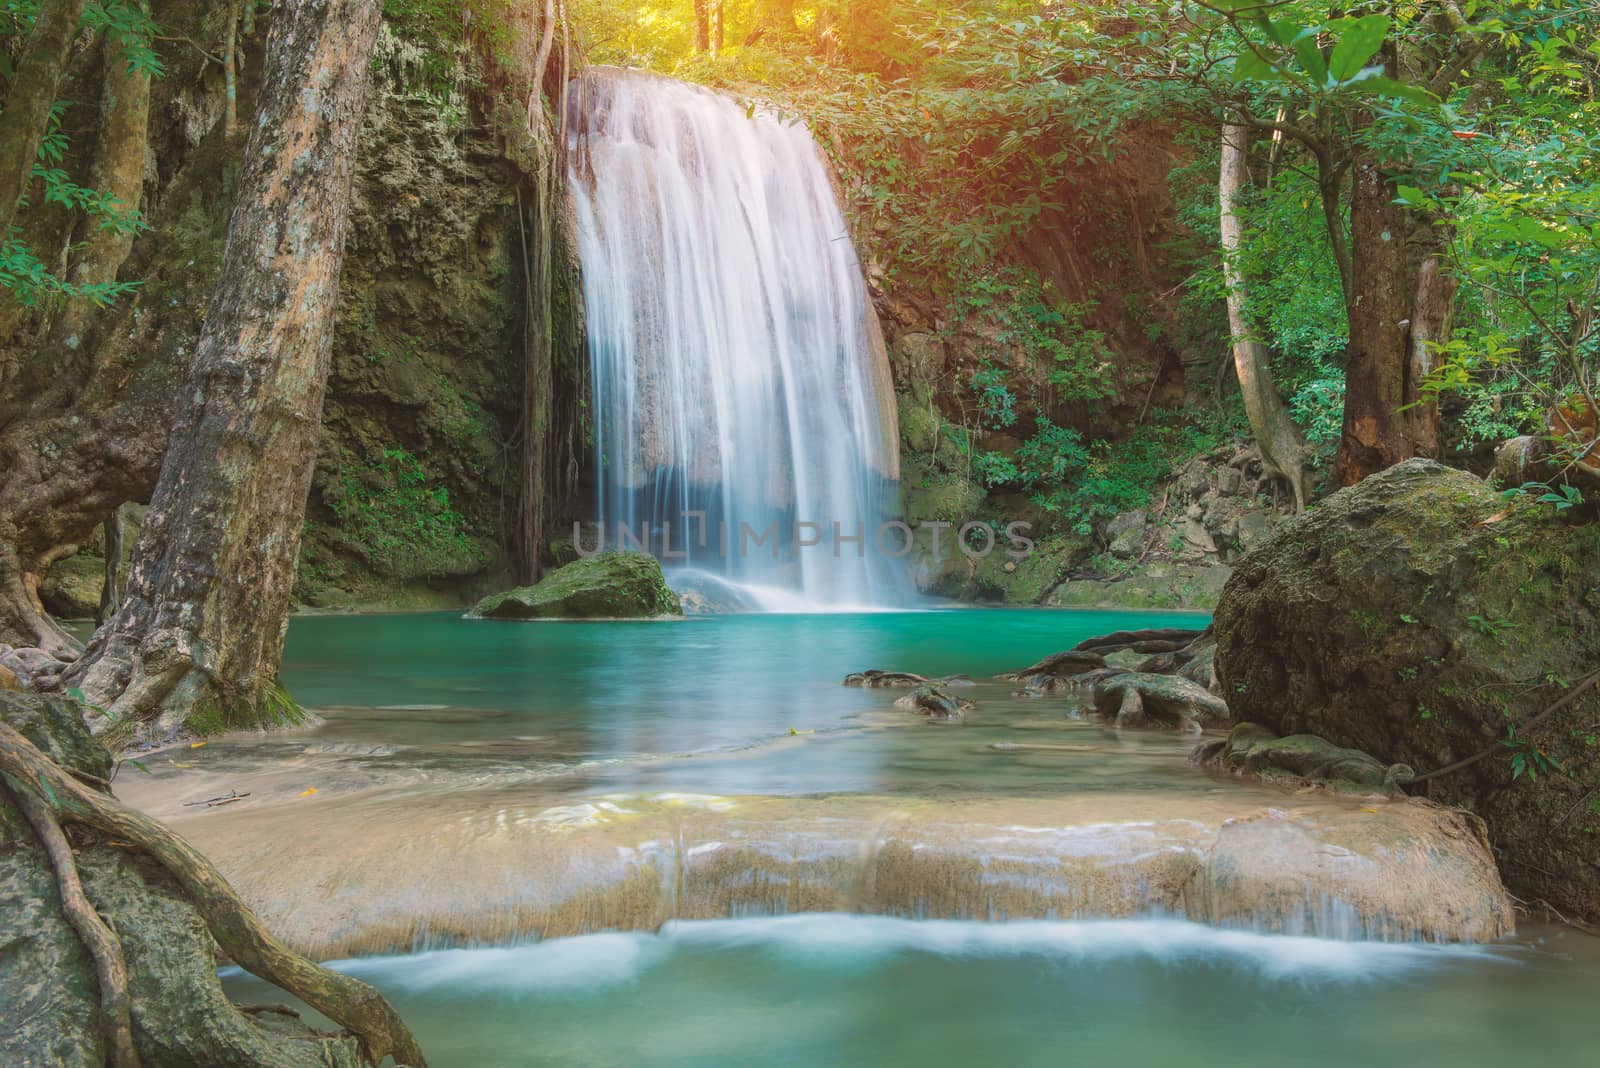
[(614, 585), (403, 523)]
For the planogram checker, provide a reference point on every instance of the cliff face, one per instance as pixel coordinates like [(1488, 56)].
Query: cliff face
[(417, 468), (417, 487)]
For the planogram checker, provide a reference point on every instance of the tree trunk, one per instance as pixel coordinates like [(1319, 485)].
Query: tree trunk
[(1283, 448), (773, 19), (702, 26), (33, 91), (201, 626), (119, 171), (1377, 434), (1432, 317)]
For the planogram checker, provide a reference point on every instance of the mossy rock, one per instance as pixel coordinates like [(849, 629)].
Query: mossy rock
[(1417, 617), (72, 589), (621, 585)]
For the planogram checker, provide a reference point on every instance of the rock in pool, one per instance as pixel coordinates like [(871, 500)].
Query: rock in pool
[(618, 585), (934, 702)]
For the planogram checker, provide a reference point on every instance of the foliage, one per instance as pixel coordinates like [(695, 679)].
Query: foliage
[(394, 515), (1080, 482), (459, 40), (1018, 314)]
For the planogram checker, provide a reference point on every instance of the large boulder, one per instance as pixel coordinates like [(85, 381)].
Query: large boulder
[(49, 997), (1423, 619), (624, 585)]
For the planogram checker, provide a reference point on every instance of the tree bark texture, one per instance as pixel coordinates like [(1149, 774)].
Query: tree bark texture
[(1283, 448), (349, 1002), (201, 625), (119, 171), (33, 91), (1381, 360)]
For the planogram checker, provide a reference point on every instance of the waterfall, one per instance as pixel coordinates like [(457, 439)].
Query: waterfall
[(736, 370)]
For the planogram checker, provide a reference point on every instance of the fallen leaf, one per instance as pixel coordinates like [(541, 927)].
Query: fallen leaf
[(308, 793), (196, 745), (175, 764), (1371, 810), (1495, 518)]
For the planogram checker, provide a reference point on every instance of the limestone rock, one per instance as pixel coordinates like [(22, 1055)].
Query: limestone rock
[(72, 589), (1415, 617), (626, 585)]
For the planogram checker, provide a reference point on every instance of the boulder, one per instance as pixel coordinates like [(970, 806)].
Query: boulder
[(72, 588), (1423, 619), (619, 585), (1138, 699), (934, 702)]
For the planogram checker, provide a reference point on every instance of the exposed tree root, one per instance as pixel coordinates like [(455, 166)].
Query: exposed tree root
[(98, 938), (350, 1002)]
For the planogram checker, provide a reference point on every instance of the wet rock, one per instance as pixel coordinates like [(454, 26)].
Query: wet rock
[(1252, 749), (619, 585), (874, 678), (1136, 699), (1201, 667), (1415, 617), (434, 866), (935, 703)]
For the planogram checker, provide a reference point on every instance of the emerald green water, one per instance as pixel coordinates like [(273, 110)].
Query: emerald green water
[(432, 705), (816, 991), (725, 704)]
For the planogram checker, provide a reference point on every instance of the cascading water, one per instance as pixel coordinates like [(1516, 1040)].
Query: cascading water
[(736, 373)]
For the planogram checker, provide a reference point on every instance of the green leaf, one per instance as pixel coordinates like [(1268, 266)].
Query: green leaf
[(1390, 89), (1357, 44), (1310, 57), (1251, 67)]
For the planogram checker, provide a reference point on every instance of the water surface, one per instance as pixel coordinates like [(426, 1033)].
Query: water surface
[(827, 990)]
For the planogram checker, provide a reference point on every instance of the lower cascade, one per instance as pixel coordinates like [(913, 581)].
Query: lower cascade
[(742, 411)]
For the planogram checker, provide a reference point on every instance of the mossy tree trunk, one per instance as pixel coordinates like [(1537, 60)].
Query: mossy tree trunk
[(101, 251), (201, 626), (31, 94), (1282, 446)]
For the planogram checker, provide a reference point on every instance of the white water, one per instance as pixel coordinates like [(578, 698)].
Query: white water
[(731, 357)]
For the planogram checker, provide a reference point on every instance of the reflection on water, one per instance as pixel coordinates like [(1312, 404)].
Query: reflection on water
[(835, 990), (755, 700)]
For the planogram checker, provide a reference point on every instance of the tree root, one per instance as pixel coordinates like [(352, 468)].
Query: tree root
[(98, 938), (351, 1003)]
